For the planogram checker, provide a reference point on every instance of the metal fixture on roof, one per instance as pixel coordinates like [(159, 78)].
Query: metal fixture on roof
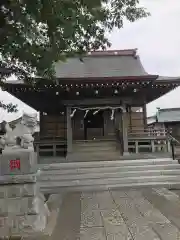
[(77, 93)]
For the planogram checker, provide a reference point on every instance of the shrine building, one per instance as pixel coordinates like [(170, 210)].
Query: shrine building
[(95, 100)]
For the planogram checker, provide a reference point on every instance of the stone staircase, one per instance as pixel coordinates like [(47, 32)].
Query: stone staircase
[(103, 175), (94, 150)]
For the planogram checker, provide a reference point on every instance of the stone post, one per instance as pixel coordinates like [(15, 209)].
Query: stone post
[(125, 132), (69, 130), (23, 213)]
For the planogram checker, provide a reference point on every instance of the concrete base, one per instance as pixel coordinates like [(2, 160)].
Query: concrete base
[(126, 153), (26, 157), (23, 212)]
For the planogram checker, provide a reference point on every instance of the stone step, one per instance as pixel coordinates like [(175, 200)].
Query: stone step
[(111, 169), (115, 156), (99, 149), (93, 158), (102, 187), (100, 164), (85, 156), (103, 175), (109, 181), (92, 146), (86, 176), (94, 143)]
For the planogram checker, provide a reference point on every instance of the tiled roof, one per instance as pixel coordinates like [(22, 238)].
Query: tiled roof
[(167, 78), (117, 63), (169, 115)]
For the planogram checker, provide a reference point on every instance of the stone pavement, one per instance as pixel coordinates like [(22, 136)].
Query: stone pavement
[(147, 214)]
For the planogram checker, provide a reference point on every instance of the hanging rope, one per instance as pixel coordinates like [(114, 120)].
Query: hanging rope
[(112, 114), (94, 113), (72, 114), (87, 109), (98, 108), (86, 113)]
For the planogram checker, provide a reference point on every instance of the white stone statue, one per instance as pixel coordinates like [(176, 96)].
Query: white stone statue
[(21, 135)]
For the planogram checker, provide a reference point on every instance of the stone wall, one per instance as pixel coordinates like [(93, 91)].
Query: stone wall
[(23, 212)]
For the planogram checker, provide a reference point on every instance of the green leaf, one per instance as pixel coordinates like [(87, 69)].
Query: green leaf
[(36, 34)]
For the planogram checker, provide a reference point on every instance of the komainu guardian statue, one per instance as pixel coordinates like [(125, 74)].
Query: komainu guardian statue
[(22, 135), (24, 213)]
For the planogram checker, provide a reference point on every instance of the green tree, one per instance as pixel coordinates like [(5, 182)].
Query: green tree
[(34, 34)]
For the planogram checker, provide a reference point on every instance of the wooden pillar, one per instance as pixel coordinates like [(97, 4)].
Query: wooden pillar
[(144, 115), (152, 146), (40, 123), (69, 130), (168, 146), (130, 117), (136, 146), (125, 132)]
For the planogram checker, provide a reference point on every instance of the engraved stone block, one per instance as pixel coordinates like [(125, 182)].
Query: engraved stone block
[(18, 162)]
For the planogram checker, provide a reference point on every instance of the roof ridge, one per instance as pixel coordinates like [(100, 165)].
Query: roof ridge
[(166, 109), (115, 52)]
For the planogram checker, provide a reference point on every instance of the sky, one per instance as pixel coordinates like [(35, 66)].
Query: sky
[(157, 39)]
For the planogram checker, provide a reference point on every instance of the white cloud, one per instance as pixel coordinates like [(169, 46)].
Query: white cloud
[(157, 38)]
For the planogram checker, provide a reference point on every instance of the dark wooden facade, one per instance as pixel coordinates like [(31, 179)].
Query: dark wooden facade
[(52, 126)]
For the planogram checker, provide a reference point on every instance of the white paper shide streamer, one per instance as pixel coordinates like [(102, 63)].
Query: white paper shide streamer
[(72, 114), (86, 113), (112, 114), (97, 109)]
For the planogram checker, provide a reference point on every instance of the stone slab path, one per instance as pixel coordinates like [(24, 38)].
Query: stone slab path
[(147, 214)]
